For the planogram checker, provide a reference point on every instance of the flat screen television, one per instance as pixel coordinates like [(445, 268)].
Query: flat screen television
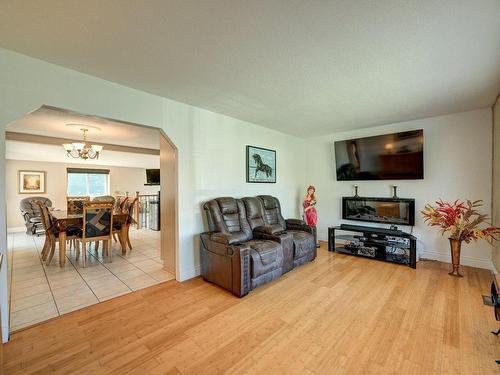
[(152, 177), (396, 156), (379, 210)]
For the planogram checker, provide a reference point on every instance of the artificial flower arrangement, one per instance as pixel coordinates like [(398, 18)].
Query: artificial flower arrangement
[(463, 222)]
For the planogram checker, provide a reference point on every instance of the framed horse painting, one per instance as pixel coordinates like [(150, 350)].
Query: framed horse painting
[(261, 165)]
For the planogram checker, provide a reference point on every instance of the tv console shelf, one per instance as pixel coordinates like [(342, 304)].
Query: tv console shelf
[(376, 243)]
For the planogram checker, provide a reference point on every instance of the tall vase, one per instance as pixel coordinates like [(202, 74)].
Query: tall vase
[(456, 246)]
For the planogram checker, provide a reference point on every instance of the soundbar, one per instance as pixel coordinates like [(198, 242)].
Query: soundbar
[(361, 228)]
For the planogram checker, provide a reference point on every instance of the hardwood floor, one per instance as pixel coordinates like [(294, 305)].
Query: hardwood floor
[(336, 315)]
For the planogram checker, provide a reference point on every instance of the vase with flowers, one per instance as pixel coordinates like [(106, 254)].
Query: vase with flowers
[(463, 222)]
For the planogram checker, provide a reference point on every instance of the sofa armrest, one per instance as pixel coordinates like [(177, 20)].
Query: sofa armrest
[(215, 242), (225, 238), (221, 238), (225, 265), (269, 229), (297, 224)]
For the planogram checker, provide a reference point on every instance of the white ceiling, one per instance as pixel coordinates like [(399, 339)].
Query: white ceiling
[(301, 67), (15, 150), (51, 122)]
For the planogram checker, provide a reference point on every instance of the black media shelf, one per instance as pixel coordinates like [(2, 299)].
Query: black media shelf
[(387, 245)]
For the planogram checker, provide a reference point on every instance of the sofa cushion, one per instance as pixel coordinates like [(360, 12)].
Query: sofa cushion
[(303, 243), (266, 256)]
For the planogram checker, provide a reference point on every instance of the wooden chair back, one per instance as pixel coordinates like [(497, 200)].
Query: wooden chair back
[(75, 204), (46, 221), (104, 198), (123, 204), (130, 210), (97, 221)]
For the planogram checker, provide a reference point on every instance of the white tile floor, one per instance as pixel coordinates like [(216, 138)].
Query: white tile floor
[(39, 292)]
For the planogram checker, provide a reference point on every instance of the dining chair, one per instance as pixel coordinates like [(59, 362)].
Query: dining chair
[(52, 233), (104, 198), (119, 207), (117, 228), (97, 226), (123, 203), (74, 205)]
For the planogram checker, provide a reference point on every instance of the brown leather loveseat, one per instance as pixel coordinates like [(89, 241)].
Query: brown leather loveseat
[(242, 250)]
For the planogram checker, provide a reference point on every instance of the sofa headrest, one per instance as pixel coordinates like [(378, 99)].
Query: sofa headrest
[(227, 205), (30, 204), (269, 202), (253, 208)]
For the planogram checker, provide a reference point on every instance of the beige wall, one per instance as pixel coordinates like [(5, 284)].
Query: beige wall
[(122, 179), (457, 165), (496, 179)]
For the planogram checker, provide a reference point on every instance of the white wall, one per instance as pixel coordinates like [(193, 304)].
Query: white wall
[(457, 164), (121, 179), (212, 164), (211, 147)]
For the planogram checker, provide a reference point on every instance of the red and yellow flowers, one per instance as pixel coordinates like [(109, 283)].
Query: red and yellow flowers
[(461, 220)]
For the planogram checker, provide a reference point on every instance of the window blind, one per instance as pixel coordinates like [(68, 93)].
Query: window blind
[(87, 170)]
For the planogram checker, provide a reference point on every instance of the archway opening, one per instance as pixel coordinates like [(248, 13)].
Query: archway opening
[(136, 170)]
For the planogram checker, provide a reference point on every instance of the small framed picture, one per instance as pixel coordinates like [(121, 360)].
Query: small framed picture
[(31, 182), (261, 165)]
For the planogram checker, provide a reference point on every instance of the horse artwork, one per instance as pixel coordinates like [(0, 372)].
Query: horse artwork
[(261, 165)]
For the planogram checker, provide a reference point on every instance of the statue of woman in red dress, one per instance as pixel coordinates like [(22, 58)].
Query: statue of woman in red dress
[(310, 213)]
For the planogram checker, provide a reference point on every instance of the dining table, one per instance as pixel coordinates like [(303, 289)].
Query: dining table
[(63, 220)]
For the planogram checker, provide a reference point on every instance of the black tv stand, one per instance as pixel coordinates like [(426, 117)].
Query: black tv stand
[(388, 245)]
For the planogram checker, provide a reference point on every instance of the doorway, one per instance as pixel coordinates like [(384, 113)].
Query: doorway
[(27, 249)]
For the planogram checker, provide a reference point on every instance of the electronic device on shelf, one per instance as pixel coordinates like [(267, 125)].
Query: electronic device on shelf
[(396, 211), (389, 245), (361, 228)]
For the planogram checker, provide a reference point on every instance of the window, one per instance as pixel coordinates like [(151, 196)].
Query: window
[(91, 182)]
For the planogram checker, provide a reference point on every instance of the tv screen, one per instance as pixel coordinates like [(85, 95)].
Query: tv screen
[(153, 176), (397, 156)]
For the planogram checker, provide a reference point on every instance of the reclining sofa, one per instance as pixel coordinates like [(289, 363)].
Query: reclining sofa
[(250, 244)]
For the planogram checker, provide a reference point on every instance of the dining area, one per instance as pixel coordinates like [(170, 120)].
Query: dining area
[(83, 252), (86, 222)]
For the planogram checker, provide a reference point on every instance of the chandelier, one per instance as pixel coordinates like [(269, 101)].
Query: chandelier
[(82, 150)]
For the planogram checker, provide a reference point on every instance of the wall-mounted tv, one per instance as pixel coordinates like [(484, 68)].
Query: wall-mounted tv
[(152, 177), (396, 156)]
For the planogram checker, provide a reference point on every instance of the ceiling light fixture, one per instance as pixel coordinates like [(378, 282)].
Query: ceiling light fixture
[(83, 150)]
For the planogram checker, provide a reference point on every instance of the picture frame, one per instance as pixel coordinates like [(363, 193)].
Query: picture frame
[(31, 182), (260, 165)]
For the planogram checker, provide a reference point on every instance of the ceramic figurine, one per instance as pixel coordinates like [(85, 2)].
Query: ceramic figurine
[(310, 213)]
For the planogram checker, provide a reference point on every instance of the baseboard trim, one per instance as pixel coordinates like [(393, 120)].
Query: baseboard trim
[(464, 259), (191, 273), (16, 229)]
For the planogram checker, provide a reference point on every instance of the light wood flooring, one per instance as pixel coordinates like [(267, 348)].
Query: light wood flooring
[(336, 315)]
